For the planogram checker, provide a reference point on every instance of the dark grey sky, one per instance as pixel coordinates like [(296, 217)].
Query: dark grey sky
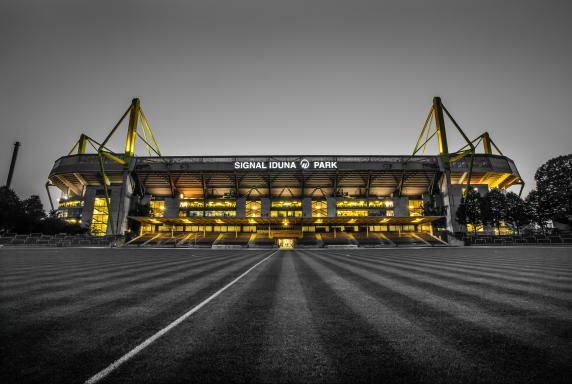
[(283, 77)]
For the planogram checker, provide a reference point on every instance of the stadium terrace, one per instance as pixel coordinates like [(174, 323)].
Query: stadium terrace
[(275, 200)]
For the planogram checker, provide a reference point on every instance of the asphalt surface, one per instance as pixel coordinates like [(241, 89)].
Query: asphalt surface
[(453, 315)]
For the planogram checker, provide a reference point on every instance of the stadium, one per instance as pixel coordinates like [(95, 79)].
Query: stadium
[(285, 201), (162, 310)]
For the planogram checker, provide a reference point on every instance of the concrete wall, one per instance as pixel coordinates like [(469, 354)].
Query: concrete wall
[(241, 207), (265, 207), (332, 211), (88, 201), (172, 206), (120, 205), (400, 206), (307, 207)]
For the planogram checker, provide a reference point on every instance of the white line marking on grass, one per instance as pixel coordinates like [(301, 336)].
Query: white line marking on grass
[(117, 363)]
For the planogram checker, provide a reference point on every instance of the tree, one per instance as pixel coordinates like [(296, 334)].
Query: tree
[(494, 209), (28, 216), (536, 209), (554, 186), (470, 210), (33, 213), (517, 214), (11, 210)]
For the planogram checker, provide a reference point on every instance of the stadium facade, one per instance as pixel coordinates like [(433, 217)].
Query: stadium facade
[(281, 198)]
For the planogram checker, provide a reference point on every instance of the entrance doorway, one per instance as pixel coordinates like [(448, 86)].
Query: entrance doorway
[(286, 243)]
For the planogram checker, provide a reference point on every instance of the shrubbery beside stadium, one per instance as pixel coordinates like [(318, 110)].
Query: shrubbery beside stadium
[(551, 201), (28, 216)]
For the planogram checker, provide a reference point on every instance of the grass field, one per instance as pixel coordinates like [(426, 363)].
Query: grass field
[(389, 315)]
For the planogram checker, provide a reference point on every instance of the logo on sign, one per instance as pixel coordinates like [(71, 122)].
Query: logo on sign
[(305, 164)]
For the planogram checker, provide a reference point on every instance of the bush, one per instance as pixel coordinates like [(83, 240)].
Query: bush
[(27, 216)]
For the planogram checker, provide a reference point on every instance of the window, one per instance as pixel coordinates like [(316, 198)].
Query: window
[(471, 228), (356, 212), (386, 203), (99, 217), (253, 208), (222, 204), (191, 204), (416, 208), (287, 204), (220, 213), (157, 208), (319, 208), (70, 204), (285, 213), (351, 204)]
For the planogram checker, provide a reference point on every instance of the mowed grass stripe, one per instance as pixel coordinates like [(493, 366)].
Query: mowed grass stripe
[(117, 293), (64, 281), (513, 356), (223, 342), (515, 275), (109, 263), (446, 300), (493, 259), (515, 259), (555, 320), (430, 355), (542, 293), (552, 281), (103, 333), (62, 262), (352, 344), (293, 348)]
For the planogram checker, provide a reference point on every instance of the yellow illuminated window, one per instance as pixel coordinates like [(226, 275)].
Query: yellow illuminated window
[(221, 204), (100, 216), (356, 212), (157, 208), (220, 213), (319, 208), (424, 228), (381, 203), (253, 208), (285, 213), (70, 204), (471, 228), (287, 204), (191, 204), (351, 204), (415, 207)]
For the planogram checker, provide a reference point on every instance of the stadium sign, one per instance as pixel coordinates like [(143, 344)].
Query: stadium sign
[(303, 164)]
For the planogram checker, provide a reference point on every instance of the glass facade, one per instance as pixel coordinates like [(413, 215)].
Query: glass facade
[(100, 217), (253, 208), (157, 208), (415, 208), (352, 212), (319, 208)]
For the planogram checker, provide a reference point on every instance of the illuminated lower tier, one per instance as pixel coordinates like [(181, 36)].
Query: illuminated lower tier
[(248, 194)]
